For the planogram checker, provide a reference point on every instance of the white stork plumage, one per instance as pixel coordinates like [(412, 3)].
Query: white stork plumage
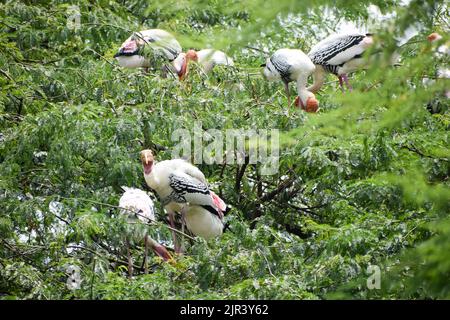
[(162, 42), (339, 54), (183, 188), (293, 65), (202, 223), (137, 205)]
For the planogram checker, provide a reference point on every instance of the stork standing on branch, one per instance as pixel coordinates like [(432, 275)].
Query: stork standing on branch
[(292, 65), (340, 55), (183, 188)]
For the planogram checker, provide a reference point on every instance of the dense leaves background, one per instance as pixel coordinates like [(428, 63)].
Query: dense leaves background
[(364, 182)]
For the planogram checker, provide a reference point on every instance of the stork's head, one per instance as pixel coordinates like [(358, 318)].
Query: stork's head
[(267, 72), (147, 160), (308, 103), (181, 62), (434, 37), (192, 55)]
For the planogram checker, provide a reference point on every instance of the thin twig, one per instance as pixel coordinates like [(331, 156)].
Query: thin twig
[(420, 153), (267, 261), (6, 74), (257, 49)]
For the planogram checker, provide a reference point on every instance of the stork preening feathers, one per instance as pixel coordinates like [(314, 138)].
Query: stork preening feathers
[(137, 205), (293, 65), (183, 188), (340, 55), (207, 59)]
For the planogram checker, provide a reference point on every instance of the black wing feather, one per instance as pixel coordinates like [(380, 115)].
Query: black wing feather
[(282, 68), (323, 56)]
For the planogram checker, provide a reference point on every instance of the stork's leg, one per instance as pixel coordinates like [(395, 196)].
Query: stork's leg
[(146, 254), (344, 76), (286, 87), (341, 83), (183, 224), (130, 262), (174, 236)]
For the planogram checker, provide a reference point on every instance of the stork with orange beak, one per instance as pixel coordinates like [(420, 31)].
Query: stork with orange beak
[(206, 58), (183, 188), (293, 65)]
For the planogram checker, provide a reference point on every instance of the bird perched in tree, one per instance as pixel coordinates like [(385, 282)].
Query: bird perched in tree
[(162, 43), (206, 58), (293, 65), (441, 52), (183, 188), (339, 54), (137, 205)]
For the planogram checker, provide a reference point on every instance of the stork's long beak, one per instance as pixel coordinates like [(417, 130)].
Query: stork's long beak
[(147, 160), (161, 251), (312, 105), (183, 70)]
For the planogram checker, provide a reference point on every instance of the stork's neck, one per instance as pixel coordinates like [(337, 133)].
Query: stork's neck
[(183, 69), (319, 79), (179, 63), (302, 92)]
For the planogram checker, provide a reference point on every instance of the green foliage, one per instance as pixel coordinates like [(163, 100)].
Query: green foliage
[(363, 182)]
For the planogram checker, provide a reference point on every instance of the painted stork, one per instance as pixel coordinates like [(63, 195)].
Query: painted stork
[(162, 42), (441, 52), (339, 54), (207, 59), (293, 65), (137, 205), (183, 188)]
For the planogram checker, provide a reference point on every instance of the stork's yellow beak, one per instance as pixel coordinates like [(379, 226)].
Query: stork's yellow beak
[(147, 156)]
